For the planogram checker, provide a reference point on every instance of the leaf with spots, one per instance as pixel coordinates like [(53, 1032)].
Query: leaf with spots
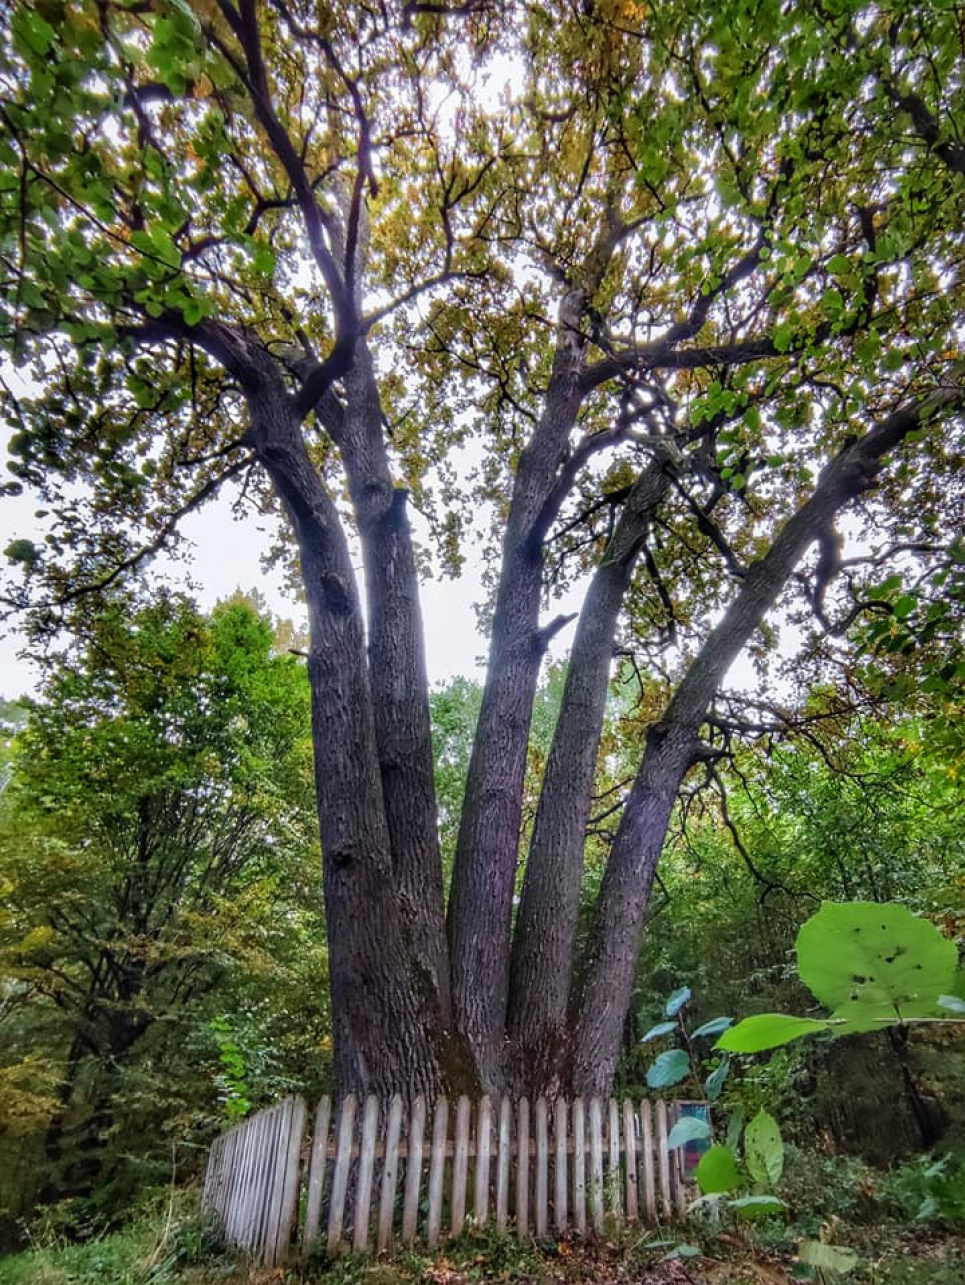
[(874, 964)]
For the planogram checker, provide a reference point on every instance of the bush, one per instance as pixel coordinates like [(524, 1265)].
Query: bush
[(930, 1189)]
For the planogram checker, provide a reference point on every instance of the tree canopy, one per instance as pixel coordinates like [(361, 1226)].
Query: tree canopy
[(670, 296)]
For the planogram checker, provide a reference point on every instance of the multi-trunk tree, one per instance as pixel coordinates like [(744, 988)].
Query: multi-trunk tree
[(656, 295)]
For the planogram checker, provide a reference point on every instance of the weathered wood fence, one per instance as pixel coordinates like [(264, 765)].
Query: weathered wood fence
[(381, 1174)]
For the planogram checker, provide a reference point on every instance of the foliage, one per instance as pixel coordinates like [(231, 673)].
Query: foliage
[(874, 965), (929, 1189), (233, 1077), (156, 847), (674, 1065)]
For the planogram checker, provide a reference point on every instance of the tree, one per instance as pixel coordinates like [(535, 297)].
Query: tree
[(691, 283), (154, 832)]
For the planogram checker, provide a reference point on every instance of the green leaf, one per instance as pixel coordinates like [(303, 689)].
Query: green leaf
[(194, 311), (717, 1171), (669, 1068), (735, 1127), (662, 1028), (713, 1027), (768, 1031), (263, 259), (682, 1251), (752, 1207), (827, 1258), (874, 963), (32, 31), (783, 334), (715, 1081), (689, 1128), (764, 1149), (677, 1000)]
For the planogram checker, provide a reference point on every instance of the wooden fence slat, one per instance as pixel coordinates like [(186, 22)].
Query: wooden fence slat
[(275, 1233), (484, 1135), (613, 1178), (596, 1165), (292, 1179), (239, 1175), (522, 1169), (366, 1173), (343, 1160), (560, 1174), (266, 1170), (244, 1200), (231, 1182), (646, 1149), (579, 1165), (437, 1169), (211, 1171), (221, 1188), (220, 1194), (261, 1235), (460, 1166), (630, 1153), (663, 1161), (413, 1169), (317, 1165), (677, 1176), (256, 1186), (542, 1168), (390, 1174), (502, 1165), (261, 1176)]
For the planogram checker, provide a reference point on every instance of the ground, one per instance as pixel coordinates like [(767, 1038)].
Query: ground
[(152, 1252)]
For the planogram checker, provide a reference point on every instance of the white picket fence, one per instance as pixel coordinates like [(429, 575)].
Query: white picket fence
[(380, 1174)]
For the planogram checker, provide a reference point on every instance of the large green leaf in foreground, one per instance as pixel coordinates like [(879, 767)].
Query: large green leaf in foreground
[(874, 964)]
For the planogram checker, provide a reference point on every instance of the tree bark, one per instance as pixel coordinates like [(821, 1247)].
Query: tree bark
[(397, 676), (545, 934), (487, 850), (386, 1032), (672, 747)]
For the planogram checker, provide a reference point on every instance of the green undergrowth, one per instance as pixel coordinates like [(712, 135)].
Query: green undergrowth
[(843, 1202)]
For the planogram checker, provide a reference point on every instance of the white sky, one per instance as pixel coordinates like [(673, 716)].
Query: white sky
[(226, 556)]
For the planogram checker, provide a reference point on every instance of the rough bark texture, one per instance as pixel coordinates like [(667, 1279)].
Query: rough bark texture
[(480, 908), (385, 1034), (397, 675), (545, 935)]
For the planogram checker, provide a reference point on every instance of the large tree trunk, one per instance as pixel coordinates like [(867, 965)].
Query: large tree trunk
[(397, 676), (481, 901), (545, 935), (387, 1033), (487, 850)]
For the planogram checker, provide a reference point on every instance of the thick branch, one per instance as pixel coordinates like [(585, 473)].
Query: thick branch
[(608, 971), (480, 907), (549, 908)]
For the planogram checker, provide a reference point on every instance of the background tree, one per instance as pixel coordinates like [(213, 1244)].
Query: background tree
[(157, 870), (692, 281)]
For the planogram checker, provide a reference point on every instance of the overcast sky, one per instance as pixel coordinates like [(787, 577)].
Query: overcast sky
[(226, 556)]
